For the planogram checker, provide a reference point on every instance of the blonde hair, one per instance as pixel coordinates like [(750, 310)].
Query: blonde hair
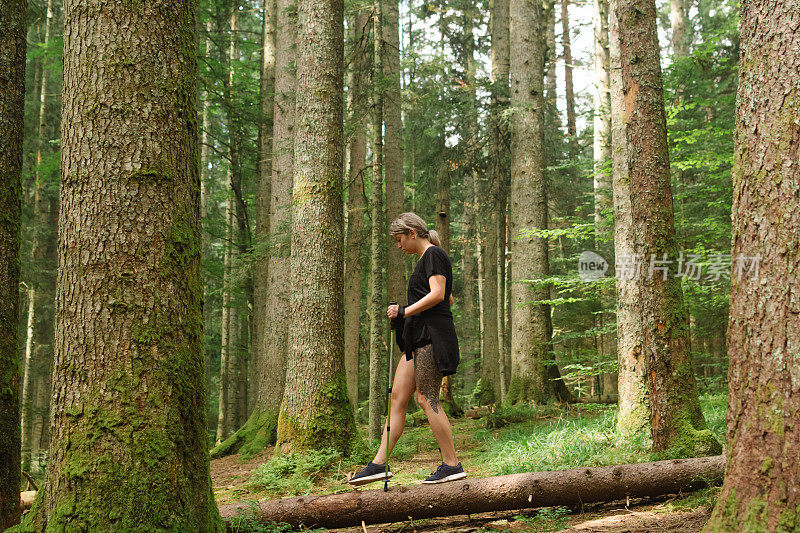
[(406, 222)]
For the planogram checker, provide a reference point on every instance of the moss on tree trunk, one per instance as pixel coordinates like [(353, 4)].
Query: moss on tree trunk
[(676, 419), (760, 492), (316, 412), (12, 105), (128, 414)]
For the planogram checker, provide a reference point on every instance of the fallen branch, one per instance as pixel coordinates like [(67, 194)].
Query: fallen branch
[(501, 493)]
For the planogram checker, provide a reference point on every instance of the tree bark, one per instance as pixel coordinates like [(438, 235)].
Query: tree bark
[(261, 427), (316, 412), (760, 492), (676, 419), (378, 236), (261, 266), (12, 105), (128, 391), (356, 202), (501, 493), (531, 325), (634, 409)]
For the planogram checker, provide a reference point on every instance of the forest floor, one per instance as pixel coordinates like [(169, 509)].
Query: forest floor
[(519, 440)]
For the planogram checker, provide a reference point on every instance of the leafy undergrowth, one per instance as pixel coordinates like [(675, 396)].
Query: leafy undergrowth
[(519, 439)]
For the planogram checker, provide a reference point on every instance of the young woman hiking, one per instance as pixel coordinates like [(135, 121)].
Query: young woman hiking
[(426, 334)]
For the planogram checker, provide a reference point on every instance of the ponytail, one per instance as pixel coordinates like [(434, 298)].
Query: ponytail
[(433, 236)]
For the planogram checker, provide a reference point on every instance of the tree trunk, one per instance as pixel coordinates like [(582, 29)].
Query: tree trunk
[(378, 236), (356, 203), (40, 286), (566, 41), (128, 374), (493, 254), (602, 125), (443, 198), (634, 409), (12, 105), (205, 178), (393, 151), (501, 493), (676, 419), (261, 266), (316, 412), (261, 427), (530, 322), (760, 491), (677, 18)]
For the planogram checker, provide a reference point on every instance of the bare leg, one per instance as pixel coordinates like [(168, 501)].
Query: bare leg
[(429, 380), (402, 389)]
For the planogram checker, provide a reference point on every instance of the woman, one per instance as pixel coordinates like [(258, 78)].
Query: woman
[(425, 333)]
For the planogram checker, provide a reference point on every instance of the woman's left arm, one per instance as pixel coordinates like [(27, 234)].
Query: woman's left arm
[(437, 283)]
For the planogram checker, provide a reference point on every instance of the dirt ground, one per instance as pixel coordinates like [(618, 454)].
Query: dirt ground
[(230, 474)]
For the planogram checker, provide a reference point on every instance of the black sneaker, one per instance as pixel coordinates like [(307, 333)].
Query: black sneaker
[(446, 473), (372, 472)]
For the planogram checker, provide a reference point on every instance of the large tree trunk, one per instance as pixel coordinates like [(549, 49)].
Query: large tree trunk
[(12, 104), (128, 391), (760, 491), (501, 493), (676, 419), (261, 237), (634, 410), (261, 427), (316, 412), (531, 325), (378, 236), (356, 202)]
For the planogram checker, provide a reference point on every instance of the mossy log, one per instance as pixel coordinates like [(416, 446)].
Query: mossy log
[(500, 493)]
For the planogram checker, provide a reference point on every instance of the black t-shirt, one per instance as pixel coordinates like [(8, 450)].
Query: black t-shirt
[(433, 261), (435, 325)]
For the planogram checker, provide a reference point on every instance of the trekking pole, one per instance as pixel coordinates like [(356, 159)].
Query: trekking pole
[(388, 406)]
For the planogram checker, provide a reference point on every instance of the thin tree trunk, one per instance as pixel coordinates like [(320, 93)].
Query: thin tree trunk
[(13, 15), (128, 374), (530, 322), (35, 298), (205, 178), (763, 417), (377, 214), (602, 124), (676, 419), (566, 41), (316, 412), (677, 18), (261, 427), (493, 254), (261, 266), (633, 415), (355, 203), (393, 149)]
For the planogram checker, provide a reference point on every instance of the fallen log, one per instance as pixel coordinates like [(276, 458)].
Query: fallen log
[(500, 493)]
